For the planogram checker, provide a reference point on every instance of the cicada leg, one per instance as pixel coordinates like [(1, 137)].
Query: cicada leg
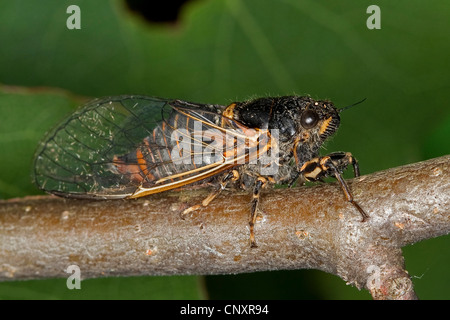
[(260, 183), (333, 165), (230, 176)]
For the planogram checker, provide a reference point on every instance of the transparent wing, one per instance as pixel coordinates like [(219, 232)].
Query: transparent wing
[(117, 146), (76, 157)]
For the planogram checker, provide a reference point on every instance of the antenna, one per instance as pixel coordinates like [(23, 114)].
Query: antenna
[(352, 105)]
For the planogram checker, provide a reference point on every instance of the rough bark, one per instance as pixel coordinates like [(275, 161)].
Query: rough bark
[(304, 227)]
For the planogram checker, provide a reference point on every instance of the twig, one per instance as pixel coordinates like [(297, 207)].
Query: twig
[(305, 227)]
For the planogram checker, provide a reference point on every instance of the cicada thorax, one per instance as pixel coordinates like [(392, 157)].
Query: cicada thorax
[(303, 124)]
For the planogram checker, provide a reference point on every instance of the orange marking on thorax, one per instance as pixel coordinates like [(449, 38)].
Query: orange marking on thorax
[(229, 111)]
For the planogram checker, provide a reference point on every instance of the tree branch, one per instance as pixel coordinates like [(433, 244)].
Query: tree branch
[(305, 227)]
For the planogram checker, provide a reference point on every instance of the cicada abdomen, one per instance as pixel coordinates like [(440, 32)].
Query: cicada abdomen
[(182, 149), (192, 143)]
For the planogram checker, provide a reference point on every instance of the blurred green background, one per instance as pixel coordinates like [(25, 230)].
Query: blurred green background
[(219, 51)]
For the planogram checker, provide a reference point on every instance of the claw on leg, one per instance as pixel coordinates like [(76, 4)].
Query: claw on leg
[(334, 164)]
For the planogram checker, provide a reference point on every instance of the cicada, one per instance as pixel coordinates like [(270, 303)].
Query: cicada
[(134, 146)]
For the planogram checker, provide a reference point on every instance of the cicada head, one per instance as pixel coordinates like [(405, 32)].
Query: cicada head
[(317, 121), (304, 124)]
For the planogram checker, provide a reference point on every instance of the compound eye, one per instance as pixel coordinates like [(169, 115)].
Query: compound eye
[(309, 119)]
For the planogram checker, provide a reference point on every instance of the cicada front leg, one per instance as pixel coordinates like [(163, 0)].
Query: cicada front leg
[(333, 165)]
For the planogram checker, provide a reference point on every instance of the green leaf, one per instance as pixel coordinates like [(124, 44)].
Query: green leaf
[(26, 116), (226, 50), (136, 288)]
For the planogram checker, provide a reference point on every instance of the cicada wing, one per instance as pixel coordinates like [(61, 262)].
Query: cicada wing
[(76, 158), (134, 145)]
